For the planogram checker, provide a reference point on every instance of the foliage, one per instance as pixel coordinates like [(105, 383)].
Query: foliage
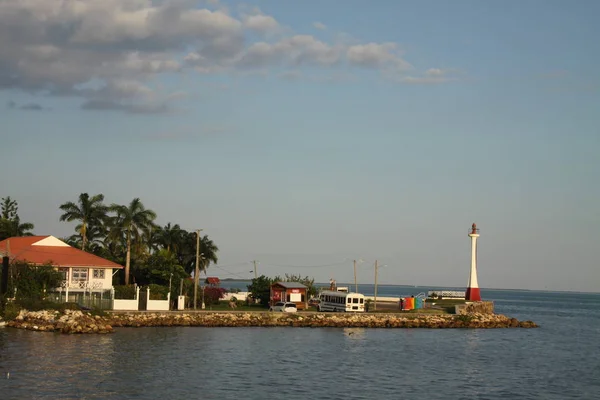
[(11, 309), (159, 268), (32, 282), (91, 212), (126, 235), (157, 292), (260, 289), (131, 220), (126, 292), (10, 222), (212, 295)]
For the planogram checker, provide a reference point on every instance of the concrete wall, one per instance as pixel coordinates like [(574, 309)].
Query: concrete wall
[(476, 307), (125, 305), (157, 305)]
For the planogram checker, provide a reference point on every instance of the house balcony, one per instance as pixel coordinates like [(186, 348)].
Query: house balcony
[(82, 286)]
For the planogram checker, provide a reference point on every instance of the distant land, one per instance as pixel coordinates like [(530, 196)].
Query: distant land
[(432, 287)]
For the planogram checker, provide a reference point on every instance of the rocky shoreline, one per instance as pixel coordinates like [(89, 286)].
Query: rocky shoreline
[(82, 322)]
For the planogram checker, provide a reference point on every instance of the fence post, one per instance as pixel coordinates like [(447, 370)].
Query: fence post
[(169, 299)]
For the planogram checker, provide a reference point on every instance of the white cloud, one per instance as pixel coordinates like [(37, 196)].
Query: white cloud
[(375, 55), (124, 46), (261, 23), (431, 76), (296, 50), (434, 72), (319, 25)]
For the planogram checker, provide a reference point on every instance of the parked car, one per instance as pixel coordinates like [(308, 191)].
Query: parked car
[(283, 307)]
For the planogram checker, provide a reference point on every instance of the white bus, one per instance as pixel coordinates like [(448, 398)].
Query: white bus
[(341, 302)]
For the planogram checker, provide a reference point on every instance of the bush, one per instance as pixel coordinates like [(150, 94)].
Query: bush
[(10, 310), (212, 295), (31, 282), (125, 292), (157, 292)]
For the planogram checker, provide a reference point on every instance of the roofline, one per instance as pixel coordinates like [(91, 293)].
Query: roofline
[(116, 266)]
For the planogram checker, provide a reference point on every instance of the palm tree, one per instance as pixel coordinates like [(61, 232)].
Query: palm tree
[(171, 238), (91, 211), (131, 220), (209, 252)]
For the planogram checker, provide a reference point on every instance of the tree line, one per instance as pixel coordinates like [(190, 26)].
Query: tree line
[(125, 234)]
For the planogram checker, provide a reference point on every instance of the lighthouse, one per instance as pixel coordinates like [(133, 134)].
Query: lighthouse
[(473, 288)]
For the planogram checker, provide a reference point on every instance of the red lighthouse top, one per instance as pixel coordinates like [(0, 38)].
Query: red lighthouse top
[(474, 229)]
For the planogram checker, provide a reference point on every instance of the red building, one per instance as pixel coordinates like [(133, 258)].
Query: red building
[(292, 292), (212, 281)]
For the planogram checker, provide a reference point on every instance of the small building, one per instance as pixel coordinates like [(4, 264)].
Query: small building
[(213, 281), (292, 292), (83, 273)]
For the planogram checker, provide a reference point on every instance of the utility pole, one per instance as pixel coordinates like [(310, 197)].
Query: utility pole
[(255, 271), (355, 282), (197, 271), (375, 302)]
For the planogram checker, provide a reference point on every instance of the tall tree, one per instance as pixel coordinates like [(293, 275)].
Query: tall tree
[(209, 252), (9, 208), (131, 220), (90, 211), (171, 238), (10, 222)]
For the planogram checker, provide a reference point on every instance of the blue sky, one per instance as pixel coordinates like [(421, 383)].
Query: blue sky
[(305, 134)]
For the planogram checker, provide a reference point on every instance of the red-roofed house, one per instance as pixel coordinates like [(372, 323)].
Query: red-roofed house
[(83, 272), (213, 281)]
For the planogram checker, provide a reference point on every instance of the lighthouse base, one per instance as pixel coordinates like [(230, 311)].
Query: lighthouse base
[(473, 294)]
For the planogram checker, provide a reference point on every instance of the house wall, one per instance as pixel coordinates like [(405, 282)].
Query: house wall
[(91, 282), (284, 293)]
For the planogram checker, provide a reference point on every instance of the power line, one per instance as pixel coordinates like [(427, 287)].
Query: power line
[(231, 273), (305, 266)]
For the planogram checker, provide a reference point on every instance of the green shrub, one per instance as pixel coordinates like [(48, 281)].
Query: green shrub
[(125, 292), (157, 292), (10, 310)]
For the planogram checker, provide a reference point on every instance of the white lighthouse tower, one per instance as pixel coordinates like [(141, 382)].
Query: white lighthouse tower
[(473, 293)]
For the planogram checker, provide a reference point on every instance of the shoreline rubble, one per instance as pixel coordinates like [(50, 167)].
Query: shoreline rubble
[(79, 322)]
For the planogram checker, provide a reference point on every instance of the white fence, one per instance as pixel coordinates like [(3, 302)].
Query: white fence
[(136, 304), (157, 305), (126, 305)]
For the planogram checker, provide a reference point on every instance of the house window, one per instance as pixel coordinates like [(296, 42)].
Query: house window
[(63, 273), (98, 274), (79, 274)]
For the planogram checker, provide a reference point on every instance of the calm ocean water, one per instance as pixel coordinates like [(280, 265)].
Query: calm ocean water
[(560, 360)]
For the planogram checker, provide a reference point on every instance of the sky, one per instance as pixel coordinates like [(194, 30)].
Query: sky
[(309, 134)]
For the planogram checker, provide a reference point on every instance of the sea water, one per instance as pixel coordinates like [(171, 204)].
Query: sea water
[(559, 360)]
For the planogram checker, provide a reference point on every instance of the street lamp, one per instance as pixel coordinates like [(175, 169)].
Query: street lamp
[(255, 270)]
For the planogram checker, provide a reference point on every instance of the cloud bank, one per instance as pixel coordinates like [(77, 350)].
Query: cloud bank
[(112, 53)]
